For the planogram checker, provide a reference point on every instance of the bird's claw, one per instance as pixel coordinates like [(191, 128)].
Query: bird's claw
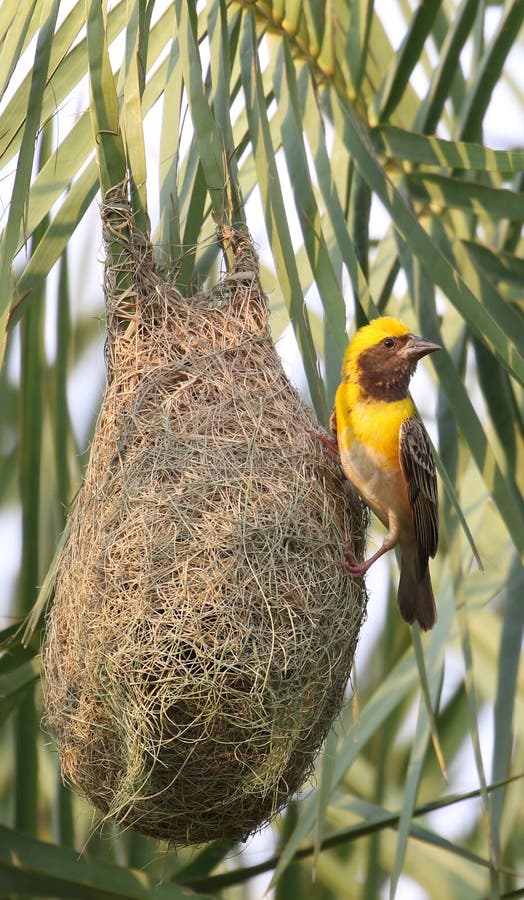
[(329, 443), (351, 564)]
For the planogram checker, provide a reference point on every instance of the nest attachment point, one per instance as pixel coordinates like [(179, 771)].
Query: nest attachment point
[(202, 633)]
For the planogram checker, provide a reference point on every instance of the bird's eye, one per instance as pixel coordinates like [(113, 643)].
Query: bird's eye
[(389, 343)]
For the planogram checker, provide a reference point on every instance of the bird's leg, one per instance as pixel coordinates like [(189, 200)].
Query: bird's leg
[(330, 444), (357, 569)]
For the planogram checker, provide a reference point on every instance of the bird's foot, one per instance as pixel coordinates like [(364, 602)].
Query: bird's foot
[(329, 443), (352, 565)]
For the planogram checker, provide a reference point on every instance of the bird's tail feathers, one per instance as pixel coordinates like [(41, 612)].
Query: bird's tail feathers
[(415, 597)]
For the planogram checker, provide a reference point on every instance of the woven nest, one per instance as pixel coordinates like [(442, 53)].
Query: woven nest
[(202, 633)]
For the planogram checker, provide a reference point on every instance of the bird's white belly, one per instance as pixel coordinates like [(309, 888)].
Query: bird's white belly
[(380, 485)]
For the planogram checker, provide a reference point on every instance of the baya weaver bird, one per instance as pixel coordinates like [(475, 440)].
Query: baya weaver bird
[(386, 453)]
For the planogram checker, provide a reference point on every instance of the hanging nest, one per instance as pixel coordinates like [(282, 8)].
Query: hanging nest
[(202, 633)]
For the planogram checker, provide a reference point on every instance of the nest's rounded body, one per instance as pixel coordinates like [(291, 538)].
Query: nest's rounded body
[(202, 633)]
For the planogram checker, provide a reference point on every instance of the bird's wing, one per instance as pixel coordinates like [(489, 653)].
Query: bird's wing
[(416, 460)]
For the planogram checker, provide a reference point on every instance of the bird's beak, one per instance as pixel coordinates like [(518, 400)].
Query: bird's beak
[(417, 347)]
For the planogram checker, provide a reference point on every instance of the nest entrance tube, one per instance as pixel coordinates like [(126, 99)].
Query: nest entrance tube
[(202, 634)]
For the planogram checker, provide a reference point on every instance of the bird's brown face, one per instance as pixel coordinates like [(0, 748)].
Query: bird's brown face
[(386, 368)]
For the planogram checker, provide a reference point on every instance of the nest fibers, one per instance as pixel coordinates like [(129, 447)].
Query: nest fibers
[(202, 632)]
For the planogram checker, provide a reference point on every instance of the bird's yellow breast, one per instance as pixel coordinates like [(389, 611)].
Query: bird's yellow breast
[(374, 424)]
